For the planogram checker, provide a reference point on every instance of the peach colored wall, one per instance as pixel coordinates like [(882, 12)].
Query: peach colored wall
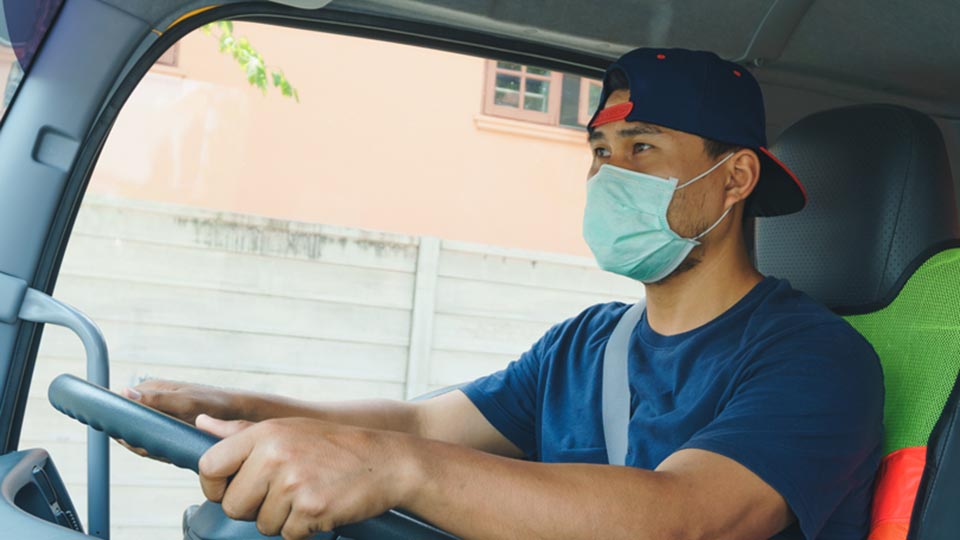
[(386, 137)]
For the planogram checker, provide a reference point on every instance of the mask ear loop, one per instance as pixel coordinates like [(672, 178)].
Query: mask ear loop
[(694, 179), (708, 171), (715, 223)]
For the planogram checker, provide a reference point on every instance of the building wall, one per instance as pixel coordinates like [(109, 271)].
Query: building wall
[(386, 137)]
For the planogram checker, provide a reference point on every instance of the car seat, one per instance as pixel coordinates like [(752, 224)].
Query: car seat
[(878, 244)]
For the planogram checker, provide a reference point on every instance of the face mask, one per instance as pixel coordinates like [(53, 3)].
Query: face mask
[(625, 223)]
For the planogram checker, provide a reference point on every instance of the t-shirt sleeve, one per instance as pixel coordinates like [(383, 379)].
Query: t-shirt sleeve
[(806, 417), (508, 399)]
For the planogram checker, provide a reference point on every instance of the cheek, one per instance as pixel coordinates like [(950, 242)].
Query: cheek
[(682, 212), (675, 215)]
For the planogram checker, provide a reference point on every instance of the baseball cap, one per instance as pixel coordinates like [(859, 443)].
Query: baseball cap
[(700, 93)]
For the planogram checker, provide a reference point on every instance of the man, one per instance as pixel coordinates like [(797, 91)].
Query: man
[(754, 411)]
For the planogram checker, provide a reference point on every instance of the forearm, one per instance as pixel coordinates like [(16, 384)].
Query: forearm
[(481, 496), (383, 414)]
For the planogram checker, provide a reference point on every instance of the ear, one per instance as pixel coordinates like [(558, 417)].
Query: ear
[(744, 172)]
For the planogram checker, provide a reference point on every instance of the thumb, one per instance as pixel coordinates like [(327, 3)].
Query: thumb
[(131, 393), (221, 428)]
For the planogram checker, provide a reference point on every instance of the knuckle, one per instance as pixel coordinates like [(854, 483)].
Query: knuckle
[(291, 531), (314, 506), (273, 457), (266, 529), (229, 509), (290, 483), (277, 452), (235, 509), (204, 465), (211, 490)]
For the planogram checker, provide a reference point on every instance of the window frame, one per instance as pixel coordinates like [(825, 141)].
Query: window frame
[(550, 117), (584, 110)]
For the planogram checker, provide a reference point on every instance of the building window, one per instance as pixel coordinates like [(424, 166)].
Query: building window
[(522, 92), (539, 95), (589, 99)]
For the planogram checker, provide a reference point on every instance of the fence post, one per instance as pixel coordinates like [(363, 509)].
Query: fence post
[(421, 318)]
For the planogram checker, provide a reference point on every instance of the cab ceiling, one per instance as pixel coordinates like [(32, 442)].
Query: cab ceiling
[(857, 49), (862, 50)]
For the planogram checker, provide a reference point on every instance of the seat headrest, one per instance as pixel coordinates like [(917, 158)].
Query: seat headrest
[(880, 197)]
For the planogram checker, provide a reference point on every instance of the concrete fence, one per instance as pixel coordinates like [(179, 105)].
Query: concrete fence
[(306, 310)]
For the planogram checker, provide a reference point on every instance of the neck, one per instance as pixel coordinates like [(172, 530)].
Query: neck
[(693, 298)]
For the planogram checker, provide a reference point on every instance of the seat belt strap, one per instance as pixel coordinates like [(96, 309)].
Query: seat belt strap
[(615, 401)]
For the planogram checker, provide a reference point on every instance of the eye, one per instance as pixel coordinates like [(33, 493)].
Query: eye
[(601, 152), (640, 147)]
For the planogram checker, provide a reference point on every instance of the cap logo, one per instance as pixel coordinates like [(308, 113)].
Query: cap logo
[(612, 114)]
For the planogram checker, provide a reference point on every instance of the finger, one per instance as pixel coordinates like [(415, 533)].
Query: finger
[(221, 428), (141, 452), (274, 511), (246, 491), (158, 384), (167, 396), (222, 461), (152, 395), (299, 527)]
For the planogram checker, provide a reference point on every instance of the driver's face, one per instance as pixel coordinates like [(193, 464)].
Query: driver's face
[(663, 152)]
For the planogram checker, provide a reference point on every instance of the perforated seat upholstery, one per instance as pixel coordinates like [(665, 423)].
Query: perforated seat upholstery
[(878, 243)]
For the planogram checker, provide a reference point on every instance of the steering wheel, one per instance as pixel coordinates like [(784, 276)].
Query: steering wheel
[(182, 444)]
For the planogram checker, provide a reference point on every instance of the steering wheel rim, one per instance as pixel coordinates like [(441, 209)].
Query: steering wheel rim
[(182, 444)]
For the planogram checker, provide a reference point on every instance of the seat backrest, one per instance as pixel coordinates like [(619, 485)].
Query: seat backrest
[(878, 243)]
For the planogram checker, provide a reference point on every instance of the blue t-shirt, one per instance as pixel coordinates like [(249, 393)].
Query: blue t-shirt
[(777, 383)]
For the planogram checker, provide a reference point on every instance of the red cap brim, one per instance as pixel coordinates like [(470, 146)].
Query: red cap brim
[(778, 191)]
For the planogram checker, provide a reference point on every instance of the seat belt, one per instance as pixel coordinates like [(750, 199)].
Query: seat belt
[(615, 401)]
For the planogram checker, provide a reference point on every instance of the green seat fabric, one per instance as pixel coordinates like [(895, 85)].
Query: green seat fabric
[(917, 337)]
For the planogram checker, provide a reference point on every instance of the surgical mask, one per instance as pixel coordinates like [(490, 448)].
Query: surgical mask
[(625, 223)]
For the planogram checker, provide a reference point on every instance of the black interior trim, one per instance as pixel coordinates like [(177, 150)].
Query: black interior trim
[(934, 514), (894, 291)]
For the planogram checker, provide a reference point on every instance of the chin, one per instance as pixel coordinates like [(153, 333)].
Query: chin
[(688, 264)]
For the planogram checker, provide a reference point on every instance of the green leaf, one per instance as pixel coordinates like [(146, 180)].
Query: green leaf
[(226, 42), (252, 62), (253, 70)]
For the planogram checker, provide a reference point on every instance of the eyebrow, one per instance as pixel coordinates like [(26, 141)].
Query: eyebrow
[(641, 129)]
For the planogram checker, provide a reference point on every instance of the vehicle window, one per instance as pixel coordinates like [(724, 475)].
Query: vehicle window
[(323, 217), (23, 25)]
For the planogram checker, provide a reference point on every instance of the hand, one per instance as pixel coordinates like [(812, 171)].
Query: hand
[(299, 476), (184, 401)]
